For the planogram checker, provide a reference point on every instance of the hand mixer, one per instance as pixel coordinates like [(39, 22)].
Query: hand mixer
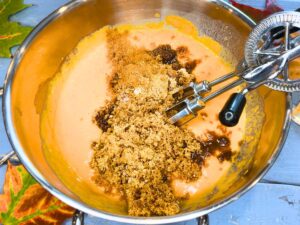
[(271, 46)]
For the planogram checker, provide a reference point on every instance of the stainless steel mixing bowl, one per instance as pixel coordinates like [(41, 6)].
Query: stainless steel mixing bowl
[(41, 55)]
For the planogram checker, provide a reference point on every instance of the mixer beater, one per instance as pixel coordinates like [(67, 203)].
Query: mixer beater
[(271, 46)]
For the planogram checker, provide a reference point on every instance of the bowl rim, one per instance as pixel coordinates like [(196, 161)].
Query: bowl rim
[(12, 135)]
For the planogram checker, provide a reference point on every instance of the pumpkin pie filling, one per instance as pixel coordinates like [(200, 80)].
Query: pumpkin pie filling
[(115, 132)]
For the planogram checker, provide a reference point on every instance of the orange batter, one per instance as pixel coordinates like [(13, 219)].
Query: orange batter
[(81, 87)]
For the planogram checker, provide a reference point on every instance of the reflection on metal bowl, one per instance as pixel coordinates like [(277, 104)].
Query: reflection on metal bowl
[(41, 55)]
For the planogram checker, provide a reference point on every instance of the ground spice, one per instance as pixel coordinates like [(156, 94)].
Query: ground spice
[(169, 56), (138, 151)]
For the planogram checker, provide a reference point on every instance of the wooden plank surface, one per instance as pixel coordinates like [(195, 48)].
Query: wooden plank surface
[(286, 4), (265, 204)]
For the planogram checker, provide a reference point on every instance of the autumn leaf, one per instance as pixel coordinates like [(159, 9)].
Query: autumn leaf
[(25, 202), (11, 33), (258, 14)]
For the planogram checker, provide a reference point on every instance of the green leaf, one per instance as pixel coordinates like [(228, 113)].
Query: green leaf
[(11, 33)]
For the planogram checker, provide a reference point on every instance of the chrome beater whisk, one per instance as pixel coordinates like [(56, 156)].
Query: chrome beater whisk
[(271, 46)]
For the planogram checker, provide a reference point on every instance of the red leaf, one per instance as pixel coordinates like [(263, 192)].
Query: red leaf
[(258, 14)]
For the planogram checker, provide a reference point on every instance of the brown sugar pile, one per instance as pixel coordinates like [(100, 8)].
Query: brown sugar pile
[(138, 152)]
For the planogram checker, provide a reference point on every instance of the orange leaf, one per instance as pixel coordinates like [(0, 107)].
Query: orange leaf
[(25, 202)]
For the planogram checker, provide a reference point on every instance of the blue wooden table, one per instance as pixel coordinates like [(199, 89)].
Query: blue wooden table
[(275, 200)]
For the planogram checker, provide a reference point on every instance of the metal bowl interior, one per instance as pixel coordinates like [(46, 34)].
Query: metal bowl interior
[(41, 55)]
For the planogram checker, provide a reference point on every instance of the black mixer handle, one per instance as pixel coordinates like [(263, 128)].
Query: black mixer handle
[(232, 110)]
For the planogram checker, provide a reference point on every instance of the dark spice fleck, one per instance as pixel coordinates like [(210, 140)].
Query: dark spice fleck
[(216, 145), (223, 141), (137, 194), (198, 157), (225, 155), (241, 142), (203, 114), (191, 65), (169, 56), (165, 177), (94, 144), (102, 117), (114, 80), (166, 54), (182, 51), (176, 65)]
